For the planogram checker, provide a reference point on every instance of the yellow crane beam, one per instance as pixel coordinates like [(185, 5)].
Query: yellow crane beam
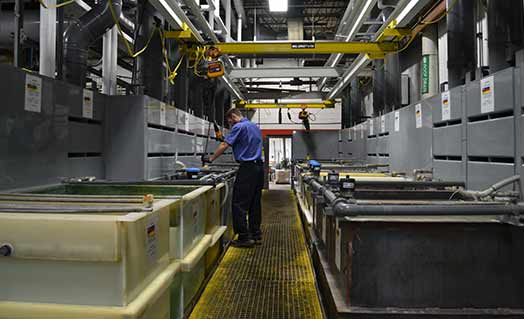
[(323, 105), (299, 48)]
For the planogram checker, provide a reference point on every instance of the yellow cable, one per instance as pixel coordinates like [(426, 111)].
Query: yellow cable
[(173, 74), (56, 6), (443, 16), (428, 22), (121, 33)]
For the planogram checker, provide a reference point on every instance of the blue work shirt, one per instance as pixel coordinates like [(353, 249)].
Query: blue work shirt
[(246, 139)]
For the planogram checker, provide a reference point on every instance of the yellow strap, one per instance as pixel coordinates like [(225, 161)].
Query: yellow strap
[(56, 6)]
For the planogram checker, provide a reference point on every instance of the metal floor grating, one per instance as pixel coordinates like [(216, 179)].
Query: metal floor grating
[(274, 280)]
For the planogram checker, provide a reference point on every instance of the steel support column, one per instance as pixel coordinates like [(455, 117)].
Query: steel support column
[(48, 39), (19, 24), (60, 43), (430, 62), (109, 61)]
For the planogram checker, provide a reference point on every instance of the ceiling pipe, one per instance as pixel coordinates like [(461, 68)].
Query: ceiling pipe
[(241, 13), (81, 33)]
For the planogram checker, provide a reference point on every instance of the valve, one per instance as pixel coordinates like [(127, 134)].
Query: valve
[(347, 187), (333, 179)]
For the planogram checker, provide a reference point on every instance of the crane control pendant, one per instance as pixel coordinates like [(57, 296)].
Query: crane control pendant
[(215, 69)]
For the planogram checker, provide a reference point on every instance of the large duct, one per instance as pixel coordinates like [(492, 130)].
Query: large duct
[(461, 41), (7, 27), (81, 33)]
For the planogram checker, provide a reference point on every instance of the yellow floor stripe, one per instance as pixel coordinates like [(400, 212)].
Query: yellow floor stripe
[(274, 280)]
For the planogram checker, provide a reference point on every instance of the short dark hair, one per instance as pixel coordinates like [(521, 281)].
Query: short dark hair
[(232, 111)]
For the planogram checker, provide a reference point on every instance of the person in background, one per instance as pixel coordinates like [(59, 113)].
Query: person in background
[(246, 140)]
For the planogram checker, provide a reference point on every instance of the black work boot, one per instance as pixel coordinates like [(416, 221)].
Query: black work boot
[(257, 238), (246, 243), (243, 242)]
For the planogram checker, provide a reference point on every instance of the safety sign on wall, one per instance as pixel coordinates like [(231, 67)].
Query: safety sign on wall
[(487, 95), (418, 116), (397, 121), (87, 104), (162, 114), (446, 106), (33, 93)]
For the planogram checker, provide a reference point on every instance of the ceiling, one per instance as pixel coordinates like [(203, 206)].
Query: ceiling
[(320, 18)]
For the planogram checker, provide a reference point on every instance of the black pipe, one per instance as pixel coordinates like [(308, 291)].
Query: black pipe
[(81, 33), (344, 207), (404, 184), (6, 250)]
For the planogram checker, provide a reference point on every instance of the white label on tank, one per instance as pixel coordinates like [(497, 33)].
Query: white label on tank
[(383, 124), (337, 246), (33, 93), (371, 127), (362, 129), (87, 104), (204, 127), (152, 239), (186, 123), (397, 121), (349, 133), (162, 114), (418, 116), (487, 95), (445, 101)]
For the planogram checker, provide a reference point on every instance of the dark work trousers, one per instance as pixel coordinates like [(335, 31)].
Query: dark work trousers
[(247, 195)]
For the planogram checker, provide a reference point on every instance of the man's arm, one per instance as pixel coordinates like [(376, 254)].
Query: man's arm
[(219, 151)]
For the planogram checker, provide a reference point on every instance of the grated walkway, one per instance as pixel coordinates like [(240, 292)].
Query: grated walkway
[(274, 280)]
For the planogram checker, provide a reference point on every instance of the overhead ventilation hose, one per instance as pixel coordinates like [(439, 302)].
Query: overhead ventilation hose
[(82, 33)]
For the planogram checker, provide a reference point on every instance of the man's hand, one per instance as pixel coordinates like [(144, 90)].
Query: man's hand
[(205, 160)]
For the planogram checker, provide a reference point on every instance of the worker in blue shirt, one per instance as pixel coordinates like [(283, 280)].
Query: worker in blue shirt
[(246, 139)]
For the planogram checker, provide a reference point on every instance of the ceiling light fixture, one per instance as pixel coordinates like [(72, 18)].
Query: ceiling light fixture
[(278, 5)]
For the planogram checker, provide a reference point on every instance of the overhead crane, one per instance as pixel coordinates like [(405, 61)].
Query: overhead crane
[(323, 105), (388, 42), (391, 40)]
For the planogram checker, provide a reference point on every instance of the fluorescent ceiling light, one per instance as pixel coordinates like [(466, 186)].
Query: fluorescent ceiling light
[(406, 10), (278, 5)]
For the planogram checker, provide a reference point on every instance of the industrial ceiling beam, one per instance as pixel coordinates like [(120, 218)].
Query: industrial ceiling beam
[(311, 72), (176, 17), (362, 60), (357, 16), (304, 48)]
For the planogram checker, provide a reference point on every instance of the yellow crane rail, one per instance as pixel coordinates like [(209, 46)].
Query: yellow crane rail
[(323, 105)]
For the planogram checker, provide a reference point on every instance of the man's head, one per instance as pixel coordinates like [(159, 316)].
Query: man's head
[(233, 116)]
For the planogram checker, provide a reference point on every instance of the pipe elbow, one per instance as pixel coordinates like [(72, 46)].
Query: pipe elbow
[(342, 206)]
